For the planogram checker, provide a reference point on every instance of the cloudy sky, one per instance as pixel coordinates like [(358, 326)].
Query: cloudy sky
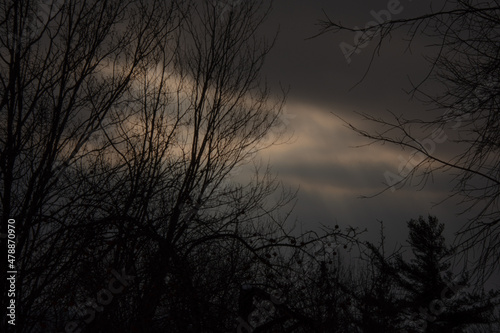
[(321, 159)]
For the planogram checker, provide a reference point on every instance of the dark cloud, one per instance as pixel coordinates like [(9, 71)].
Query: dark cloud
[(331, 174)]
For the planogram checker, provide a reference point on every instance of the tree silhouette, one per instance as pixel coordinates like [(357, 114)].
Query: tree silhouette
[(378, 294), (120, 123), (430, 299), (462, 88)]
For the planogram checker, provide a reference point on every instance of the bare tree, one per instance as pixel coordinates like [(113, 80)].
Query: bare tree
[(464, 99), (64, 67), (121, 121)]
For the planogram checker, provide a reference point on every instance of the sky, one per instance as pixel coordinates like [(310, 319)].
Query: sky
[(321, 159)]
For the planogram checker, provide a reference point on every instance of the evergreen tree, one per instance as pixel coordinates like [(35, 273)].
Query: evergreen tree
[(434, 301)]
